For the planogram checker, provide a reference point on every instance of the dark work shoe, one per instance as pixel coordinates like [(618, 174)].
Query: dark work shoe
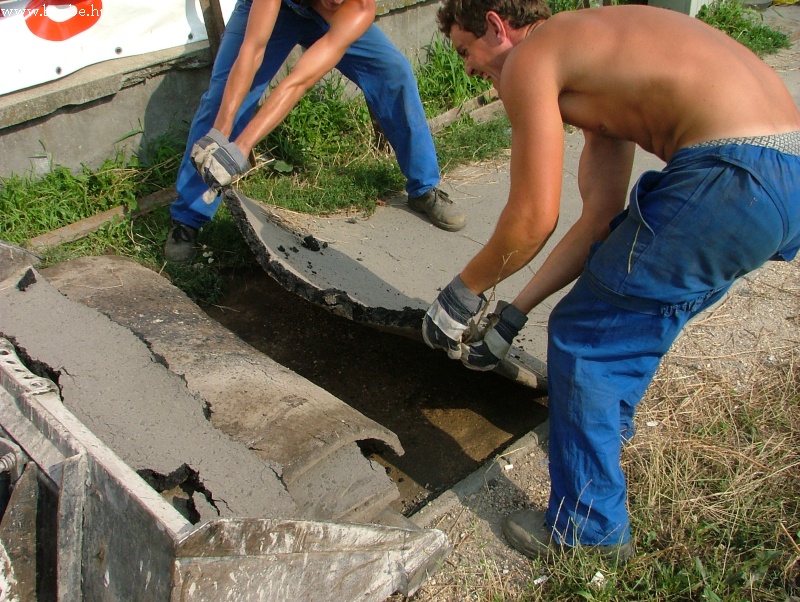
[(527, 532), (181, 243), (440, 210)]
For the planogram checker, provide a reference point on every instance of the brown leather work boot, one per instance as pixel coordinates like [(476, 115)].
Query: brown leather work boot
[(442, 212)]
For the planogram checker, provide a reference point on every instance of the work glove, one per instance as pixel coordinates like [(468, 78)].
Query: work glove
[(492, 341), (450, 316), (218, 161)]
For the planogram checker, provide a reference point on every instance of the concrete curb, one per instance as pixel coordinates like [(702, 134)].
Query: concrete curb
[(491, 469)]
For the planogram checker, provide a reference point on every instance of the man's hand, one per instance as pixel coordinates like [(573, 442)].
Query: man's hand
[(450, 316), (493, 346), (218, 161)]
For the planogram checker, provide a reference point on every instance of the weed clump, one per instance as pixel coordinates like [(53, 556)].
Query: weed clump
[(744, 25)]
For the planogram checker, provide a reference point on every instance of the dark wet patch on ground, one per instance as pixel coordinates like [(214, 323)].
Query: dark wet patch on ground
[(449, 419)]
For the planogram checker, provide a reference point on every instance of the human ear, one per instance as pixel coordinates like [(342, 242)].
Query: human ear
[(495, 26)]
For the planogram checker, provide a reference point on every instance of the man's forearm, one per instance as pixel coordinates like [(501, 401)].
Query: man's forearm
[(491, 266), (276, 107), (562, 266), (239, 82), (512, 246)]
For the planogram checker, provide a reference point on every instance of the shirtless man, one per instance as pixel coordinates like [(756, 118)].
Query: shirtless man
[(727, 201), (258, 37)]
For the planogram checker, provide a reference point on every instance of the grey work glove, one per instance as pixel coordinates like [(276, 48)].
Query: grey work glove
[(450, 316), (218, 161), (491, 345)]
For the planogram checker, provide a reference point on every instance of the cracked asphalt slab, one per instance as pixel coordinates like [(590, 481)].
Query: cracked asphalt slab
[(109, 379)]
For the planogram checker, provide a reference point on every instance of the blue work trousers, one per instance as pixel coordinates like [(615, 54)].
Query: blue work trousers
[(711, 216), (373, 63)]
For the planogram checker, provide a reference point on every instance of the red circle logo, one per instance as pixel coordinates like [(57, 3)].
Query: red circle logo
[(38, 18)]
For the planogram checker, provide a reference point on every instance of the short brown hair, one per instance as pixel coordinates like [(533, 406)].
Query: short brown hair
[(470, 15)]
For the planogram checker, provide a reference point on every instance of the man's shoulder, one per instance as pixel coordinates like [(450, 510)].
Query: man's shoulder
[(344, 14)]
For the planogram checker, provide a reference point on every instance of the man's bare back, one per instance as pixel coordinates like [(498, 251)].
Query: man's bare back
[(612, 73), (626, 75)]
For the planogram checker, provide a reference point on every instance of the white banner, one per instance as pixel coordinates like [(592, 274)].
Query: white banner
[(43, 40)]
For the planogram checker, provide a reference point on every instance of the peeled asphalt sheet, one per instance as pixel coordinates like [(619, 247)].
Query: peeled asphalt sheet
[(115, 386), (175, 394), (386, 269)]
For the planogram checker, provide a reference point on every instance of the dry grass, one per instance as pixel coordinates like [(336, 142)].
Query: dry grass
[(714, 472), (713, 475)]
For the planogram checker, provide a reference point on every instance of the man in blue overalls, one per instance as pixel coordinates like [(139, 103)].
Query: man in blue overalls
[(258, 37), (727, 201)]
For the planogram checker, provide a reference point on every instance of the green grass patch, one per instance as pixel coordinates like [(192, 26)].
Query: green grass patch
[(744, 25), (323, 127), (31, 207), (328, 189), (443, 81), (468, 142), (321, 160)]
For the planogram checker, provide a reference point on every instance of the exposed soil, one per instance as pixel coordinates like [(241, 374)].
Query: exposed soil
[(449, 419)]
